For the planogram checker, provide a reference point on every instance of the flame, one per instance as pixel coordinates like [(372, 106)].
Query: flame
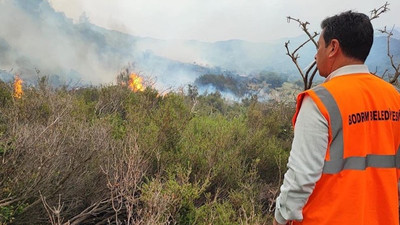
[(135, 83), (18, 87)]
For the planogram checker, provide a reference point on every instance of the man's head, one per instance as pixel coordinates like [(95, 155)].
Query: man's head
[(351, 33)]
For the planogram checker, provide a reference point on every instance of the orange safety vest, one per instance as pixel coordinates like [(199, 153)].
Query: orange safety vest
[(359, 182)]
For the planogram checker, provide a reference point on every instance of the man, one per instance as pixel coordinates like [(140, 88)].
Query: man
[(343, 168)]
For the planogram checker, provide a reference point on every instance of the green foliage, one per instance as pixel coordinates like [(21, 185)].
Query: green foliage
[(176, 193), (270, 140), (118, 126), (8, 213), (192, 92), (5, 94), (178, 159), (216, 213), (223, 83), (273, 79), (212, 145), (213, 103), (240, 86), (171, 117)]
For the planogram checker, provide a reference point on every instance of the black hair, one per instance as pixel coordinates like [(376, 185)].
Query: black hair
[(353, 31)]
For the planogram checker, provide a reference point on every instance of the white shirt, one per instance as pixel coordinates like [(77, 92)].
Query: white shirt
[(306, 159)]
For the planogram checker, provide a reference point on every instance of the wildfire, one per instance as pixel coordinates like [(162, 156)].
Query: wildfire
[(135, 83), (18, 87)]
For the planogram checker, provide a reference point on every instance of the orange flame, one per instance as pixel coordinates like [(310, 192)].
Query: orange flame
[(135, 83), (18, 87)]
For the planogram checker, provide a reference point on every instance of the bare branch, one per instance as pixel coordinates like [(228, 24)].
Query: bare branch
[(92, 210), (375, 13), (294, 59), (312, 75), (303, 26), (9, 201), (307, 80), (54, 213), (396, 68), (311, 39)]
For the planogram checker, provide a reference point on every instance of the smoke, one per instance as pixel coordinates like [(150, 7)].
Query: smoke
[(35, 38), (183, 51)]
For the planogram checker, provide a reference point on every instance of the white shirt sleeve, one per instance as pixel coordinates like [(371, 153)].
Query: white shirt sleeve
[(305, 163)]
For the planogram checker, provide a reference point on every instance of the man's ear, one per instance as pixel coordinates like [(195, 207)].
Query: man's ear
[(334, 47)]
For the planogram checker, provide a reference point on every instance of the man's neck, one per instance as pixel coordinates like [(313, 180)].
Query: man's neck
[(345, 61)]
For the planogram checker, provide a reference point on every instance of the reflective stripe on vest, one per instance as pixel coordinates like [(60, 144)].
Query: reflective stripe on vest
[(337, 162)]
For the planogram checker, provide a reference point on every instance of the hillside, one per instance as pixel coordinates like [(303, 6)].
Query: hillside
[(36, 41)]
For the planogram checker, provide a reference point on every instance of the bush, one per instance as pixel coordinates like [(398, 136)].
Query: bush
[(139, 158)]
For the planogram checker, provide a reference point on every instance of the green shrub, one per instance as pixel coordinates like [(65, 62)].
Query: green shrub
[(205, 160), (216, 213), (5, 94), (175, 196), (8, 213), (212, 146)]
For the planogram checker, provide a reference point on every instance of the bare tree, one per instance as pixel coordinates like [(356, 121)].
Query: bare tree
[(309, 72), (307, 77), (393, 78)]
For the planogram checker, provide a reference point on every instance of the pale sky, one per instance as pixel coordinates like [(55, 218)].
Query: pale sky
[(216, 20)]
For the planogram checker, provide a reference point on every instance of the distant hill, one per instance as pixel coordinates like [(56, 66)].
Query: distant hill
[(36, 39), (378, 59)]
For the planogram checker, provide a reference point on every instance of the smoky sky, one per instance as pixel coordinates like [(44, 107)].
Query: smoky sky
[(35, 37), (210, 20), (33, 42)]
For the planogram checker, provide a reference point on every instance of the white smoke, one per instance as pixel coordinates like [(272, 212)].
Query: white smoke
[(35, 42)]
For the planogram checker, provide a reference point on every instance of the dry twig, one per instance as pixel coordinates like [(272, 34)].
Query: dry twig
[(392, 77), (306, 76), (375, 13)]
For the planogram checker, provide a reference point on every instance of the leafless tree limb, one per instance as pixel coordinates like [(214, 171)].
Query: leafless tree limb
[(375, 13), (54, 213), (308, 78), (9, 201), (92, 211), (95, 209), (392, 78), (303, 26)]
